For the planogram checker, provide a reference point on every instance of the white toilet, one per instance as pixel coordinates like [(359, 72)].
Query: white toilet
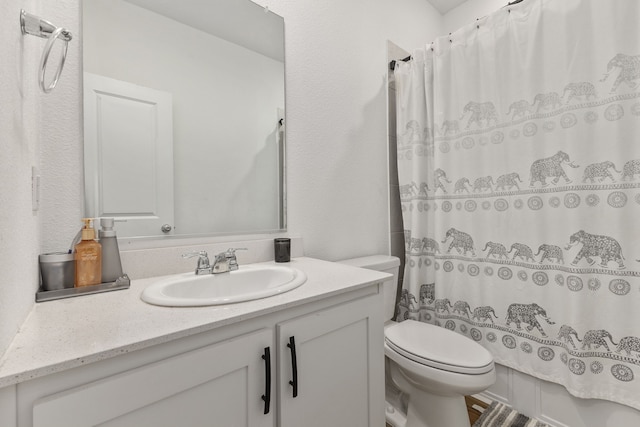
[(433, 366)]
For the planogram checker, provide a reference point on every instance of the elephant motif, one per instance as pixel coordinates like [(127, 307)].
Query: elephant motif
[(449, 126), (412, 133), (596, 337), (462, 307), (424, 188), (427, 293), (407, 240), (484, 313), (550, 252), (440, 174), (442, 305), (630, 170), (461, 241), (430, 245), (547, 101), (507, 181), (565, 333), (629, 70), (427, 134), (408, 190), (407, 299), (485, 182), (405, 305), (520, 108), (461, 185), (599, 170), (416, 245), (541, 169), (629, 344), (496, 249), (480, 111), (605, 247), (521, 251), (579, 90), (526, 313)]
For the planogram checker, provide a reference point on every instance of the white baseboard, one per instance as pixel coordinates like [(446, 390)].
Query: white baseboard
[(552, 404)]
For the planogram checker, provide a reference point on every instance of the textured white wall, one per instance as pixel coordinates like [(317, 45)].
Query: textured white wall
[(468, 12), (336, 117), (61, 137), (19, 117)]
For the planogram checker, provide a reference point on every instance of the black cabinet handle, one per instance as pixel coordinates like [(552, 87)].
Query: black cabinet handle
[(294, 366), (267, 372)]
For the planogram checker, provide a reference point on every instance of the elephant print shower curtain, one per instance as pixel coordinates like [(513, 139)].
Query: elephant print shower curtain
[(519, 167)]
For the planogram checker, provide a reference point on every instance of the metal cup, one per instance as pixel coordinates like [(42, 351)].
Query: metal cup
[(57, 270)]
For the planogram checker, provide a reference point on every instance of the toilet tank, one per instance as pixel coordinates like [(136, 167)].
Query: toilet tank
[(387, 264)]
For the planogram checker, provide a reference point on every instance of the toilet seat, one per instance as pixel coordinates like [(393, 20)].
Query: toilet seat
[(438, 348)]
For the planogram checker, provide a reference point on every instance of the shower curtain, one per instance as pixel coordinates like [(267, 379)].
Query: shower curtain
[(519, 168)]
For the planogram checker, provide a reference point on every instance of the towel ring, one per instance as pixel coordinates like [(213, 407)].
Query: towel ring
[(35, 26), (45, 57)]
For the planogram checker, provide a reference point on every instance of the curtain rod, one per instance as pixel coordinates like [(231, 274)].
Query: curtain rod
[(392, 64)]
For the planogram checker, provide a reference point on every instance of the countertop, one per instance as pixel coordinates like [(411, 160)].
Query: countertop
[(63, 334)]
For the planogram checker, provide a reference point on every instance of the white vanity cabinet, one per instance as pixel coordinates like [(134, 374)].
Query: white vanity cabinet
[(326, 362), (220, 377), (214, 385)]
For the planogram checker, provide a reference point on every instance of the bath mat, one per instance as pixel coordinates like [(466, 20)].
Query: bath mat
[(500, 415)]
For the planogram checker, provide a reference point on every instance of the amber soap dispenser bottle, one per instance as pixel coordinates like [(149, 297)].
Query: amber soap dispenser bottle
[(88, 257)]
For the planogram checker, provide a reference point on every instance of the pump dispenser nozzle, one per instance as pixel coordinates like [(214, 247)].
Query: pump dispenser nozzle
[(88, 233)]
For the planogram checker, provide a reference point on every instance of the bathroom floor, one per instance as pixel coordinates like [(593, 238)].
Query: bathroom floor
[(474, 414), (472, 403)]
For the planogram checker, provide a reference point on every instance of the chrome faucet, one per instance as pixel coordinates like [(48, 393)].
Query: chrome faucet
[(222, 263)]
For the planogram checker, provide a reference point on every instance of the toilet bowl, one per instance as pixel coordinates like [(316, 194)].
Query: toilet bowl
[(433, 366), (436, 368)]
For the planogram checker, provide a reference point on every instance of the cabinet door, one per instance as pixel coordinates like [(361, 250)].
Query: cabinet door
[(340, 367), (218, 385)]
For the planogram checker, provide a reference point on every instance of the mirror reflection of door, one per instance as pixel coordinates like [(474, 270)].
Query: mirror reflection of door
[(128, 135), (223, 63)]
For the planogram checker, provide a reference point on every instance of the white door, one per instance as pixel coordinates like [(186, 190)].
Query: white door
[(128, 159), (331, 367), (218, 385)]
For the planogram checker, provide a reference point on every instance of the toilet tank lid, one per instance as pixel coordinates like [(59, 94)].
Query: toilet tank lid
[(373, 262)]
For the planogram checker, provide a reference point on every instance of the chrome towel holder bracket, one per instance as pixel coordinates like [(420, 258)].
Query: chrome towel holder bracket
[(36, 26)]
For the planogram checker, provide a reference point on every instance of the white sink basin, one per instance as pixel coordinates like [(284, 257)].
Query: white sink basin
[(245, 284)]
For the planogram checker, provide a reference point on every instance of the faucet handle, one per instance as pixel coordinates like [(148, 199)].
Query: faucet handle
[(201, 254), (203, 261), (232, 251), (230, 255)]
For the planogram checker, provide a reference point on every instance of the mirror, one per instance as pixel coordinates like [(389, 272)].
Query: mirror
[(184, 116)]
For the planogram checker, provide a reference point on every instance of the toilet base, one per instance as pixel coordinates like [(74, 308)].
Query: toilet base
[(394, 416), (432, 410), (430, 415), (436, 403)]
